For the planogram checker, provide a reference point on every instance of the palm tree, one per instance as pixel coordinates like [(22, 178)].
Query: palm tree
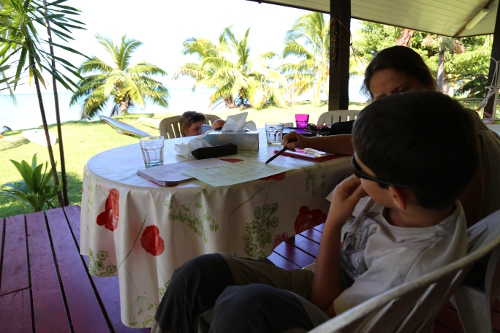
[(6, 81), (22, 43), (239, 80), (442, 44), (120, 81), (309, 42)]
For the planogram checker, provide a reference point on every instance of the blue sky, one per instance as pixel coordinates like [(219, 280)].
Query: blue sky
[(162, 26)]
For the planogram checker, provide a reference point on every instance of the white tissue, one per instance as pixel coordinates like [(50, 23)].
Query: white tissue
[(238, 123), (186, 149)]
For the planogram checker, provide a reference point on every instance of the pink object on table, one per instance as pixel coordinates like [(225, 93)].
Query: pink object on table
[(301, 119)]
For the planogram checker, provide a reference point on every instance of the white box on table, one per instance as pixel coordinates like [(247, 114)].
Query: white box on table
[(244, 140)]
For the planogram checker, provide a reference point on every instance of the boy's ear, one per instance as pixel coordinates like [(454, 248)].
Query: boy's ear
[(401, 197)]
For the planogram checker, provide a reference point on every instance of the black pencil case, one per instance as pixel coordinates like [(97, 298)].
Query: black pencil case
[(215, 151)]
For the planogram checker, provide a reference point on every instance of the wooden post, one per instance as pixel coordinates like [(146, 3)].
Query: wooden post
[(340, 27), (495, 54)]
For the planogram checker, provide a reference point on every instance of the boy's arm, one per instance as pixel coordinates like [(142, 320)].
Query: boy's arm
[(326, 283), (335, 144)]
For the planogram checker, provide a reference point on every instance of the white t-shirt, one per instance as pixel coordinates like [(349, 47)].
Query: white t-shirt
[(378, 256)]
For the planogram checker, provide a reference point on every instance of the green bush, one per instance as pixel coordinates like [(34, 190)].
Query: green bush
[(35, 189)]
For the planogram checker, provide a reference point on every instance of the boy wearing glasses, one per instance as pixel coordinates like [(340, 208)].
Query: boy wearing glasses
[(414, 155)]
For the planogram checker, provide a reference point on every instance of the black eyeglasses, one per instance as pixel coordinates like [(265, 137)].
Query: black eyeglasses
[(363, 175)]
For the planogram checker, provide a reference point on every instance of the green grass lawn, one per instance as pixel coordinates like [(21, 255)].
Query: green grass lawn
[(82, 140)]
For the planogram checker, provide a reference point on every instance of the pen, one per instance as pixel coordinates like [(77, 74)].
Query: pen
[(277, 154)]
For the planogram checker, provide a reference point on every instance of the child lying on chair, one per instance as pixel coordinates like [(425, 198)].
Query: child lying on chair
[(414, 155)]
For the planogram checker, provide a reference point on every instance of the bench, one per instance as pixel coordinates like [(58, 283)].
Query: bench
[(45, 285)]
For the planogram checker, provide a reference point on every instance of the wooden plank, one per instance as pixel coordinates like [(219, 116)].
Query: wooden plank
[(15, 314), (312, 234), (441, 329), (304, 244), (319, 227), (75, 280), (106, 287), (73, 215), (282, 262), (448, 318), (49, 310), (293, 254), (109, 292), (14, 264)]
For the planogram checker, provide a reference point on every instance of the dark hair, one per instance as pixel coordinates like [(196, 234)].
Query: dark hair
[(190, 117), (403, 59), (424, 139)]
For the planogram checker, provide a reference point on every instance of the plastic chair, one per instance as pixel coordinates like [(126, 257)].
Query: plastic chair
[(413, 306), (170, 127), (331, 117), (474, 305), (211, 118)]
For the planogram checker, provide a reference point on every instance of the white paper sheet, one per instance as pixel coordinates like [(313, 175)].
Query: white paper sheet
[(234, 173), (169, 174)]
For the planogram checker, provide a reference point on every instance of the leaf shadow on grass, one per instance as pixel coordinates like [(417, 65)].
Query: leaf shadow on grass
[(11, 144)]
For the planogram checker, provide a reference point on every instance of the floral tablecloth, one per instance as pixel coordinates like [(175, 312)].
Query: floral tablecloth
[(142, 232)]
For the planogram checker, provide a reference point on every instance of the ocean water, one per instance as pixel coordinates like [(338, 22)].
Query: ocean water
[(26, 114)]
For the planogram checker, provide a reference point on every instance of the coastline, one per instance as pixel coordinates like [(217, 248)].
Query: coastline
[(26, 115)]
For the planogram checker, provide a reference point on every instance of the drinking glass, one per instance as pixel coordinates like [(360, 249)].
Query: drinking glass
[(301, 119), (274, 133), (152, 150)]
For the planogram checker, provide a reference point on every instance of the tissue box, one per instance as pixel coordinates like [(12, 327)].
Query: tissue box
[(244, 140)]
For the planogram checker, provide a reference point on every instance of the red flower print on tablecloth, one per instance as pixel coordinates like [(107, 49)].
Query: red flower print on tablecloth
[(109, 218), (151, 240), (308, 219), (231, 160), (279, 176), (279, 239)]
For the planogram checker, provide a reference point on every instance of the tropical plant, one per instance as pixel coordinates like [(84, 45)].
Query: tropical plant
[(56, 104), (35, 189), (23, 48), (441, 44), (239, 80), (309, 42), (124, 83), (475, 88), (468, 57), (5, 80)]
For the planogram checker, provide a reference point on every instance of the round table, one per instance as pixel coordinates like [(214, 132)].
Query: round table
[(141, 231)]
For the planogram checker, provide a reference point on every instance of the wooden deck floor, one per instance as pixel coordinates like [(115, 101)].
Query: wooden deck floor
[(301, 250), (44, 281), (45, 285)]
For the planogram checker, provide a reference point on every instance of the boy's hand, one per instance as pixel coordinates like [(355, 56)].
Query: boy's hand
[(345, 198), (294, 140)]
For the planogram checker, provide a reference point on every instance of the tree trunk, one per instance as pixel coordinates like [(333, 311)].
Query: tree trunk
[(46, 130), (124, 105), (229, 103), (58, 118), (440, 71)]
